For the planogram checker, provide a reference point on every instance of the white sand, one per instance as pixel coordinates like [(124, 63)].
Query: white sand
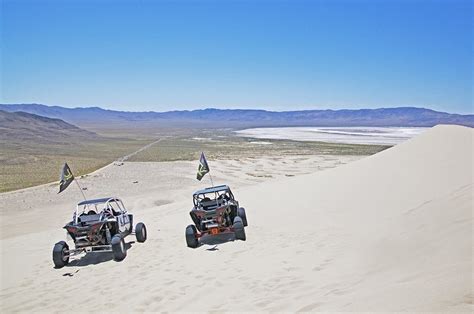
[(390, 232), (349, 135)]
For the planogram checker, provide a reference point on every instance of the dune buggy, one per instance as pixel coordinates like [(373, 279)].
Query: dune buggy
[(98, 225), (215, 211)]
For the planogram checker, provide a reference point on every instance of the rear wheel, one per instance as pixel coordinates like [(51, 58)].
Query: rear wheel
[(118, 247), (191, 237), (60, 254), (241, 214), (140, 232), (239, 229)]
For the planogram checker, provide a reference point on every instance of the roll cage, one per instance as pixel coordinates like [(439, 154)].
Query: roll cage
[(111, 205), (213, 195)]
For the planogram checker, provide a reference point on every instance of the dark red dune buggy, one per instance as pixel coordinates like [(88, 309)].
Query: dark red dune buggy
[(215, 212)]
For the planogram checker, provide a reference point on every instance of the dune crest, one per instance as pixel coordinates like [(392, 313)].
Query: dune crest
[(392, 231)]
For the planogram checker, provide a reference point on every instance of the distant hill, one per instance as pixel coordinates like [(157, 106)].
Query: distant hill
[(16, 126), (241, 118)]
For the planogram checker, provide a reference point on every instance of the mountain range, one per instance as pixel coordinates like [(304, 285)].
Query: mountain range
[(242, 118), (22, 126)]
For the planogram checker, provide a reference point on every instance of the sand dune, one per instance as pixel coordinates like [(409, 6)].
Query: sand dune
[(390, 232)]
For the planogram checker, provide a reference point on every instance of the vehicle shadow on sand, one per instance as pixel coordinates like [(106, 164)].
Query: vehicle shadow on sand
[(216, 240), (94, 258)]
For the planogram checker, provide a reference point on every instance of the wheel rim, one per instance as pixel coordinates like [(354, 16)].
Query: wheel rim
[(122, 247), (143, 233)]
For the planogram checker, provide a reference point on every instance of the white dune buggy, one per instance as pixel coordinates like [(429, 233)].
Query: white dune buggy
[(98, 225)]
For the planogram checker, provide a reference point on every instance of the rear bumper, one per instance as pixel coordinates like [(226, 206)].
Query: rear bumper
[(92, 248), (215, 231)]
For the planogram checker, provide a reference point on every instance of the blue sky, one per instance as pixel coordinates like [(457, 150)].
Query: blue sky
[(278, 55)]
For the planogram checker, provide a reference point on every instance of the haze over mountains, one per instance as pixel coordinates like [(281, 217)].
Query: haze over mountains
[(242, 118)]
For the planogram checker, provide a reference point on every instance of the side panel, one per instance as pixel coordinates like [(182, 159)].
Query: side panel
[(124, 223)]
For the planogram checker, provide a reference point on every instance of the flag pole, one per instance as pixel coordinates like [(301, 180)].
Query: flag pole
[(210, 177), (80, 188)]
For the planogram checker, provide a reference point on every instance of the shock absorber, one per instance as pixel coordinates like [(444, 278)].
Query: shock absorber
[(107, 234)]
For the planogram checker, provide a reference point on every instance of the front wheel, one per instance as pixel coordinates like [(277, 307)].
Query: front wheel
[(239, 229), (118, 247), (60, 254), (191, 237), (140, 232)]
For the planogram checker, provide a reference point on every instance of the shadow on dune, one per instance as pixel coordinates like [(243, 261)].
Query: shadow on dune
[(94, 258), (217, 239)]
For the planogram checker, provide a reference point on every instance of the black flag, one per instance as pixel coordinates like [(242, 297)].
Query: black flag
[(66, 178), (203, 167)]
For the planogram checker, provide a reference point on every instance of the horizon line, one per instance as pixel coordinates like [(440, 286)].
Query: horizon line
[(223, 109)]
